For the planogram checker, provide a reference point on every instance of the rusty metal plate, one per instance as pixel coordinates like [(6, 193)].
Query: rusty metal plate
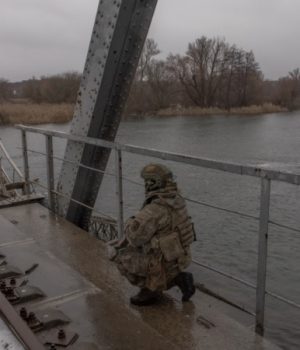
[(13, 282), (8, 271), (59, 337), (25, 294), (46, 319), (85, 346)]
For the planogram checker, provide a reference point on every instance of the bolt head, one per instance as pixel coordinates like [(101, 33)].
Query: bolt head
[(61, 334)]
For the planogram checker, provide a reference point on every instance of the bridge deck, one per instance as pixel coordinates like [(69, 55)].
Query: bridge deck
[(78, 280)]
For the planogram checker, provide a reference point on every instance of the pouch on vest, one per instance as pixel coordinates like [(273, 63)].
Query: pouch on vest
[(186, 232), (171, 247)]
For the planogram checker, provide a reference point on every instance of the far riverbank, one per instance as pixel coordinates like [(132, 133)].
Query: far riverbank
[(266, 108), (44, 113)]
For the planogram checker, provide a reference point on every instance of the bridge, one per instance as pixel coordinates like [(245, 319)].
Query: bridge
[(118, 36)]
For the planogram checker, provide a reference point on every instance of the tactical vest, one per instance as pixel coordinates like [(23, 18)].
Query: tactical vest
[(175, 242)]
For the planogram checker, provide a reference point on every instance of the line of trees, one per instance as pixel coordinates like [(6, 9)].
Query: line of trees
[(289, 90), (212, 73), (5, 91), (60, 88)]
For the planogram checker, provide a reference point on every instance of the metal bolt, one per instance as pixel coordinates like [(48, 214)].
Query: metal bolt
[(23, 313), (9, 291), (2, 286), (31, 317), (61, 334)]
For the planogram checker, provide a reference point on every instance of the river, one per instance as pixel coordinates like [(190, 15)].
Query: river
[(225, 241)]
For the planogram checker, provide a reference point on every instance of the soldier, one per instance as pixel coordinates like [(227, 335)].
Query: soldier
[(156, 247)]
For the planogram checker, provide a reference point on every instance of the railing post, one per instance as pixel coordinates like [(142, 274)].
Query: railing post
[(262, 254), (26, 163), (119, 193), (50, 172), (2, 182)]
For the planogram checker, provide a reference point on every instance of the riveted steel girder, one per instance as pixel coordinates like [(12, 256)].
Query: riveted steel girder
[(119, 33)]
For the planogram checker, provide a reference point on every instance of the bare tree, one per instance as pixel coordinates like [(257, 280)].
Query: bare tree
[(294, 77), (161, 84), (213, 73), (5, 92), (205, 58), (289, 90), (150, 50), (180, 69), (249, 75), (139, 101), (200, 71)]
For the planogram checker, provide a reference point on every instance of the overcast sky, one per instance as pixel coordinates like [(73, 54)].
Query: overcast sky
[(41, 37)]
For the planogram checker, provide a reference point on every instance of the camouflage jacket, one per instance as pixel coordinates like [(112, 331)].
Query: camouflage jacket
[(163, 213)]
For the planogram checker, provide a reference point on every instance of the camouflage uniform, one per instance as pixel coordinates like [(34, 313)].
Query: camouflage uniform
[(158, 239)]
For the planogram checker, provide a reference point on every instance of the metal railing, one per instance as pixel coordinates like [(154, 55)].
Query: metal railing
[(266, 176), (10, 184)]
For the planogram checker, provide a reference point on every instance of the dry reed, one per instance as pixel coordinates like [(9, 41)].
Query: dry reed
[(32, 113)]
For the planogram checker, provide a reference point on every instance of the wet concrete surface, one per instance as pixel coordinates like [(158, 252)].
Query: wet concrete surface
[(78, 279), (7, 338)]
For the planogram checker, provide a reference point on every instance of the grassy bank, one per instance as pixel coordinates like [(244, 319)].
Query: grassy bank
[(197, 111), (32, 113)]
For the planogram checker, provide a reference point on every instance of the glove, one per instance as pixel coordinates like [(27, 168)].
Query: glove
[(111, 252)]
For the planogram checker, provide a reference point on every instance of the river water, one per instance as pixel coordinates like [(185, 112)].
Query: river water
[(225, 241)]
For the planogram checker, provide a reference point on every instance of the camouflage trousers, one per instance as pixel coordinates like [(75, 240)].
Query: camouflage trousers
[(146, 270)]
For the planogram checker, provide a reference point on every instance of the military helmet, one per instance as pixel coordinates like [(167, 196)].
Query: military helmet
[(156, 176)]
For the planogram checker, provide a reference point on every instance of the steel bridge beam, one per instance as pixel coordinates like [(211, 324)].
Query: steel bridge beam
[(119, 33)]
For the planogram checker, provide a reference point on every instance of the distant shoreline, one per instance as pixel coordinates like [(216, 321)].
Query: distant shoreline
[(213, 111), (33, 113)]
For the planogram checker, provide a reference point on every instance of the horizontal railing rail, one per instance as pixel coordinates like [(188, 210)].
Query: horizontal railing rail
[(107, 144), (191, 200), (266, 175), (250, 170)]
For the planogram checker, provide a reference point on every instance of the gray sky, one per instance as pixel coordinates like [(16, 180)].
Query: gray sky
[(41, 37)]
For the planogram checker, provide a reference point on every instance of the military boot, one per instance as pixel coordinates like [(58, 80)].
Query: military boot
[(145, 297), (185, 282)]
